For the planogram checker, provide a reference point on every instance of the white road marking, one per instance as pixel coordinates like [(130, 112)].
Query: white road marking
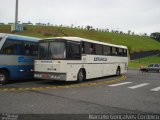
[(123, 83), (156, 89), (137, 86)]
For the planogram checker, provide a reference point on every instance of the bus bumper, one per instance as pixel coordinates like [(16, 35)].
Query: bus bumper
[(50, 76)]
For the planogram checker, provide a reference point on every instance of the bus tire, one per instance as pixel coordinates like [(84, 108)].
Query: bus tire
[(3, 77), (81, 76), (118, 71)]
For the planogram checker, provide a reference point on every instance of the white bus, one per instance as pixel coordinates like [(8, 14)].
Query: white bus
[(77, 59)]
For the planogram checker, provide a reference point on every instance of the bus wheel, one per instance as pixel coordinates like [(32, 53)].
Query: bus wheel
[(118, 72), (81, 76), (3, 77)]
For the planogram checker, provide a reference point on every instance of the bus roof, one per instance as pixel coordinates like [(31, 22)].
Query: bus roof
[(87, 40), (19, 37)]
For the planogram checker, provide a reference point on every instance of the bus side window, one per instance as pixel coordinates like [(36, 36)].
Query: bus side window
[(98, 49), (87, 49), (18, 49), (74, 51), (34, 50), (106, 50), (26, 49), (12, 47), (93, 48), (30, 49), (117, 52), (125, 53), (114, 52)]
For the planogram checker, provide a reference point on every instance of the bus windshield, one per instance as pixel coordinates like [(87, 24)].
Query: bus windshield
[(52, 50)]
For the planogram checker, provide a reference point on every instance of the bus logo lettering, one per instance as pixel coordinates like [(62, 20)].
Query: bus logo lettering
[(46, 61), (22, 59)]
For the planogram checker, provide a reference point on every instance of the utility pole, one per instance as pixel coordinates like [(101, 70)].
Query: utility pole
[(16, 27), (16, 14)]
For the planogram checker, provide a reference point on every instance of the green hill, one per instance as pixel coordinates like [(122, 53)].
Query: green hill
[(133, 42)]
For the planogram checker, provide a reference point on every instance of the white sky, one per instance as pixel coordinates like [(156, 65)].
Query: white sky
[(140, 16)]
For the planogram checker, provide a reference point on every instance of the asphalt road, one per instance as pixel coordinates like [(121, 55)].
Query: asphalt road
[(137, 94)]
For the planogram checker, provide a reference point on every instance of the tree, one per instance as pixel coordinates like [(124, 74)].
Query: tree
[(97, 29), (82, 27), (88, 27), (145, 34), (72, 26), (129, 32), (106, 30), (48, 24), (121, 32)]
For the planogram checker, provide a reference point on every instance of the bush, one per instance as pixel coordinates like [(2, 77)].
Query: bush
[(48, 34), (25, 28), (55, 34)]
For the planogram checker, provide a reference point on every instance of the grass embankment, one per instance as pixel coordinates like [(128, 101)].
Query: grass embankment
[(133, 42), (144, 61)]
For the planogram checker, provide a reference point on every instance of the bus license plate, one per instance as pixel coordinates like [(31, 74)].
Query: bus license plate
[(45, 75)]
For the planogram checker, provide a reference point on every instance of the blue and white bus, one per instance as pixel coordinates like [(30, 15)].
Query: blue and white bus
[(17, 54)]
